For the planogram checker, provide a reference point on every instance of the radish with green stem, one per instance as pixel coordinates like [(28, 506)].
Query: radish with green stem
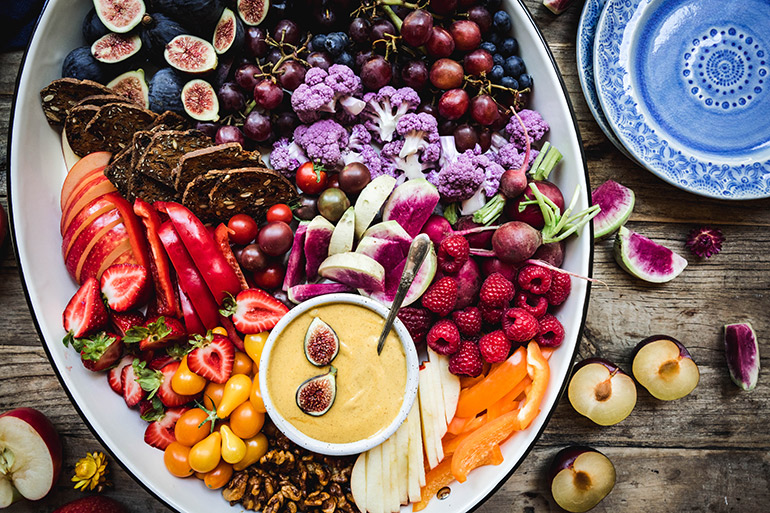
[(525, 207)]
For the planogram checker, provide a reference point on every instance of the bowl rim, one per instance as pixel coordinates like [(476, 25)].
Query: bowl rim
[(58, 373), (412, 377)]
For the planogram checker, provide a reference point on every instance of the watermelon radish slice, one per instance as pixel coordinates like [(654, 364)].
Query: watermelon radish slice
[(645, 259), (317, 238), (295, 267), (300, 293), (420, 284), (742, 354), (616, 203), (354, 269)]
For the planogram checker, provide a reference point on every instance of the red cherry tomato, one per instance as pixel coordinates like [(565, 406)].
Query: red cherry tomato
[(334, 181), (270, 278), (280, 212), (310, 179), (244, 228)]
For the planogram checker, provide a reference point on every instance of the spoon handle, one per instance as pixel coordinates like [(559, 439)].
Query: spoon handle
[(414, 259)]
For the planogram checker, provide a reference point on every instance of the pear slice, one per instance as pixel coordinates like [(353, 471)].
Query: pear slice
[(374, 481), (358, 482)]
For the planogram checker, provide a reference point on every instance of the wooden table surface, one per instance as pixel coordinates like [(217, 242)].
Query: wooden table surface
[(709, 451)]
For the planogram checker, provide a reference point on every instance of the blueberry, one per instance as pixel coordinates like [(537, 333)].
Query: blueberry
[(513, 66), (317, 43), (525, 80), (494, 38), (508, 46), (509, 82), (346, 59), (488, 46), (334, 45), (498, 59), (344, 37), (501, 21), (496, 73)]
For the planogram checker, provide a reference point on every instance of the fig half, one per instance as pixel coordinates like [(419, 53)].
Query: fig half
[(120, 15), (190, 54), (133, 86), (316, 395), (200, 100), (321, 343), (229, 32), (115, 48), (253, 12)]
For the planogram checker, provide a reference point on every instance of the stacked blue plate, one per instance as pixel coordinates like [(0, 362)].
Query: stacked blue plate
[(683, 88)]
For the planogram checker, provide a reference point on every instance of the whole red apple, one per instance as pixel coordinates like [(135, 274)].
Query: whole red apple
[(92, 504)]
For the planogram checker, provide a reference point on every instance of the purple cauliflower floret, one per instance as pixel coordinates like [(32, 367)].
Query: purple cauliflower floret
[(286, 157), (360, 150), (345, 84), (420, 148), (492, 174), (460, 178), (536, 128), (323, 142), (309, 101), (324, 90), (507, 154), (415, 164), (359, 137), (385, 107), (315, 76)]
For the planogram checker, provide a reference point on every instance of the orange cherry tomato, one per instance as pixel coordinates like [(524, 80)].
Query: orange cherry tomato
[(186, 382), (280, 212), (256, 447), (246, 421), (255, 395), (242, 364), (220, 476), (187, 431), (254, 344), (236, 392), (311, 180), (176, 459), (205, 455), (219, 330), (200, 475), (212, 395)]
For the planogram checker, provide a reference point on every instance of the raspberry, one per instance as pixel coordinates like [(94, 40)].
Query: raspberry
[(561, 285), (453, 252), (551, 332), (536, 305), (417, 322), (466, 361), (496, 291), (444, 338), (519, 325), (468, 320), (441, 297), (494, 347), (491, 315), (535, 279)]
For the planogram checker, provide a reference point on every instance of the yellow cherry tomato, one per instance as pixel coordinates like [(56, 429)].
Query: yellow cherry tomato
[(255, 395), (176, 459), (233, 448), (219, 330), (186, 382), (256, 447), (246, 421), (200, 475), (242, 364), (236, 391), (205, 455), (212, 395), (219, 477), (254, 344), (192, 427)]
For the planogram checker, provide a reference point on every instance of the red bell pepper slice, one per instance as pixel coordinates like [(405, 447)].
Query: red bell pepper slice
[(192, 322), (133, 228), (165, 295), (190, 278), (212, 265), (222, 238)]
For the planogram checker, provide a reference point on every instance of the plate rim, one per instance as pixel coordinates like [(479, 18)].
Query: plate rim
[(615, 123), (58, 373)]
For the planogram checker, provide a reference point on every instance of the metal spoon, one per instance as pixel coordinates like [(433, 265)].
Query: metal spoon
[(417, 251)]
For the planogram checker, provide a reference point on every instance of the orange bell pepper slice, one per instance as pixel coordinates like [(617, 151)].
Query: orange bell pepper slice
[(498, 382), (474, 449), (457, 425)]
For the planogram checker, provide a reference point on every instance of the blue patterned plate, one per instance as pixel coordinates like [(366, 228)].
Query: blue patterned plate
[(685, 87), (585, 61)]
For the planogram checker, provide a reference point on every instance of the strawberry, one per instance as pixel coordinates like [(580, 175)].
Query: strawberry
[(124, 286), (123, 321), (158, 383), (254, 311), (160, 433), (157, 333), (85, 313), (441, 297), (496, 291), (453, 252), (114, 377), (101, 351), (494, 347), (132, 390), (212, 358)]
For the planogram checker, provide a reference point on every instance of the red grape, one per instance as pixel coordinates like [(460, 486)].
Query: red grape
[(446, 74), (414, 74), (485, 139), (287, 31), (285, 123), (245, 76), (271, 277), (291, 74), (275, 238), (440, 43), (443, 6), (481, 16), (229, 133), (243, 228), (360, 30), (484, 110), (466, 138), (320, 60), (257, 126), (380, 27), (416, 29), (376, 73), (478, 61), (446, 126), (255, 42), (466, 34), (453, 104), (268, 95)]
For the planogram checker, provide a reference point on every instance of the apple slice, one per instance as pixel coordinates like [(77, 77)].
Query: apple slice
[(91, 263), (83, 231), (426, 416), (375, 481), (601, 391), (97, 187), (393, 504), (30, 455), (402, 463), (450, 385), (83, 167), (665, 368), (358, 481), (439, 416), (89, 238), (416, 462), (580, 478)]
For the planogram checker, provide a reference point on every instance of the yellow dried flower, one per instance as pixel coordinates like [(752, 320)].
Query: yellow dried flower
[(91, 472)]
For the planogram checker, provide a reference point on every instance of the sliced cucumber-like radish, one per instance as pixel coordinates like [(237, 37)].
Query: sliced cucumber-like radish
[(616, 203), (645, 259)]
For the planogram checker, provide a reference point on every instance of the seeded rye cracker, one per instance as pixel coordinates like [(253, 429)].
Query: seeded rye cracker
[(196, 195), (172, 121), (140, 185), (103, 99), (222, 156), (119, 169), (116, 123), (251, 191), (81, 142), (60, 96), (164, 151)]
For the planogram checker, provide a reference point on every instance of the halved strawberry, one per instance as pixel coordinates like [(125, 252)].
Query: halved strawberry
[(212, 358), (85, 313), (114, 377), (101, 351), (124, 286), (254, 311), (158, 332), (132, 390), (124, 321), (157, 383), (160, 434)]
